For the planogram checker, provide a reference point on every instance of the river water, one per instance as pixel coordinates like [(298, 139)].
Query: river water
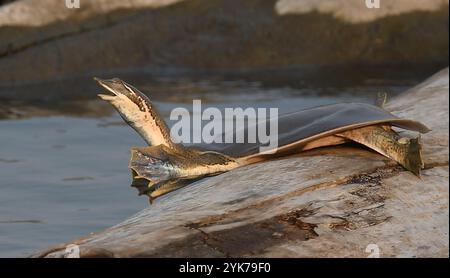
[(63, 163)]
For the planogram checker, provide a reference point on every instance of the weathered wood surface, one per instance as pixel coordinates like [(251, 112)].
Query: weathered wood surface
[(327, 205)]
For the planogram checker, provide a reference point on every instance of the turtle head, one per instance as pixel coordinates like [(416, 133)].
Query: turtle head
[(137, 111), (132, 105)]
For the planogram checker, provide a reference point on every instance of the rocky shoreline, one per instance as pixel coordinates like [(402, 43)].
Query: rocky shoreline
[(58, 43)]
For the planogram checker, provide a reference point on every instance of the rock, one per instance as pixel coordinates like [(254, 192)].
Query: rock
[(28, 23), (356, 11), (40, 13), (58, 43), (355, 201)]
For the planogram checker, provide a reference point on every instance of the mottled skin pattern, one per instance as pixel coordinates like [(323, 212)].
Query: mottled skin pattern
[(407, 152), (158, 170), (137, 111), (163, 160), (165, 166)]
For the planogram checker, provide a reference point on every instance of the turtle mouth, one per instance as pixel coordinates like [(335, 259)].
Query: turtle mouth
[(107, 85)]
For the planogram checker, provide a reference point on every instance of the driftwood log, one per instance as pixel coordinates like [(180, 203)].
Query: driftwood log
[(338, 202)]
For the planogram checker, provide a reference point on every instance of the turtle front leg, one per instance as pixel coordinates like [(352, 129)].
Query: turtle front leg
[(158, 170)]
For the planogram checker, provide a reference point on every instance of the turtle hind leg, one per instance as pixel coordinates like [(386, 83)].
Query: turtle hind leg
[(407, 152), (414, 161)]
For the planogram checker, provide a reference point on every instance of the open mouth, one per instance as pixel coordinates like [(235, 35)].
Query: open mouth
[(104, 84)]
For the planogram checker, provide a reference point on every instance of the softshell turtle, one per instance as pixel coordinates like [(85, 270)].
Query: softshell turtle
[(165, 166)]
